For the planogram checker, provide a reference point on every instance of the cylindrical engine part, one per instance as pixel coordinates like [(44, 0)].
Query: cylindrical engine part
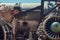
[(2, 33), (5, 31)]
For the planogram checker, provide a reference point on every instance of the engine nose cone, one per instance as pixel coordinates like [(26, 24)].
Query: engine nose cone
[(55, 27)]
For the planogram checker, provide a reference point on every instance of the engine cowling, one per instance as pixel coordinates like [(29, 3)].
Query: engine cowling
[(51, 27)]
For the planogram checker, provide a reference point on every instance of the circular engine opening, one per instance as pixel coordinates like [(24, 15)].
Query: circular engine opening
[(1, 33), (52, 27)]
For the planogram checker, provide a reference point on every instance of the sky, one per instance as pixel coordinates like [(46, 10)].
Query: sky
[(28, 3), (24, 3), (21, 1)]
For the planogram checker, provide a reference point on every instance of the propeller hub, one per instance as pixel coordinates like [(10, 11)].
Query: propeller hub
[(55, 27)]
